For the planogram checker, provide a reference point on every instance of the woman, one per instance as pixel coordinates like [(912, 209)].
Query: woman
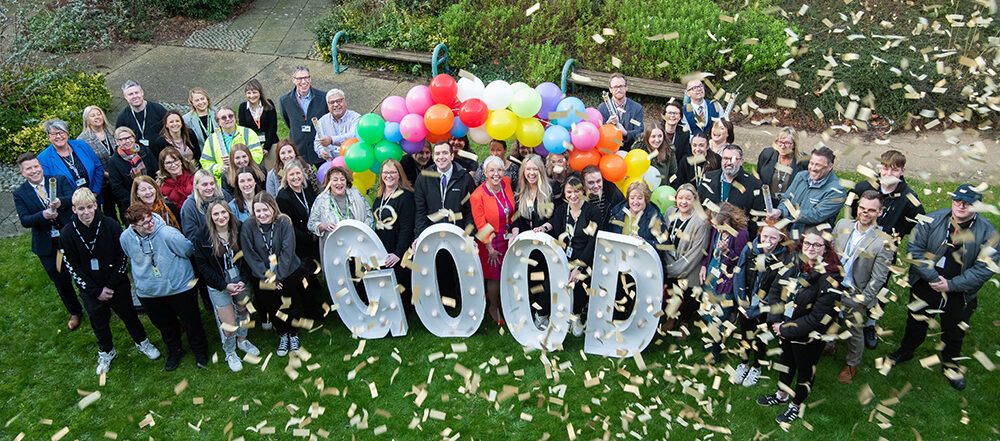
[(727, 238), (459, 143), (687, 240), (756, 273), (178, 135), (702, 160), (296, 198), (558, 171), (285, 154), (492, 210), (240, 157), (498, 148), (175, 176), (800, 311), (227, 278), (100, 138), (248, 183), (393, 211), (340, 201), (636, 216), (777, 165), (195, 207), (417, 162), (722, 134), (129, 161), (73, 159), (268, 242), (201, 118), (534, 199), (672, 131), (258, 113), (664, 160), (564, 220), (145, 191)]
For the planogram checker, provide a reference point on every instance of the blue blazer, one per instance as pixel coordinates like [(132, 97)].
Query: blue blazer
[(53, 165), (692, 120), (29, 211)]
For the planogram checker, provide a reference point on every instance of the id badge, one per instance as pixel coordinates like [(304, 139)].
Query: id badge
[(94, 265), (144, 142), (156, 272), (233, 274), (55, 233), (306, 128), (81, 182)]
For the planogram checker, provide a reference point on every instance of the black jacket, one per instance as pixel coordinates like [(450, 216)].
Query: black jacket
[(687, 172), (767, 162), (306, 243), (161, 143), (533, 220), (899, 213), (814, 302), (29, 211), (427, 198), (291, 114), (149, 122), (681, 144), (211, 267), (283, 246), (412, 169), (120, 174), (583, 243), (103, 232), (744, 193), (397, 237), (267, 131)]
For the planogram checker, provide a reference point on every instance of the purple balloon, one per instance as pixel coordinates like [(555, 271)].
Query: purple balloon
[(458, 129), (394, 108), (594, 117), (540, 150), (551, 95), (412, 147)]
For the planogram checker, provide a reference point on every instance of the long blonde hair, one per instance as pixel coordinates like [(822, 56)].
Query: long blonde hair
[(233, 227), (543, 194), (87, 130), (198, 175)]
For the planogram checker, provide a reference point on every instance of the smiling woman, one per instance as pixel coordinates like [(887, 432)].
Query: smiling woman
[(340, 201)]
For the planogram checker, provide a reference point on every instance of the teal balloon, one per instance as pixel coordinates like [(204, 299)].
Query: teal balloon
[(371, 128), (662, 197), (387, 150), (359, 157)]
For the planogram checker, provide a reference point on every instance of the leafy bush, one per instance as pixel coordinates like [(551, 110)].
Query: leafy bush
[(74, 26), (207, 9), (34, 96)]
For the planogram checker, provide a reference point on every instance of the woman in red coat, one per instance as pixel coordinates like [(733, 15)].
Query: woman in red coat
[(175, 176), (492, 210)]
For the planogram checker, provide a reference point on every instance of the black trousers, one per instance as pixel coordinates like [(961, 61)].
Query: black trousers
[(955, 311), (110, 204), (538, 290), (164, 312), (64, 284), (689, 303), (801, 361), (292, 288), (752, 349), (100, 316)]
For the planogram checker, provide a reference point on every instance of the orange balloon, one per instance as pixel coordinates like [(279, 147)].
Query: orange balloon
[(434, 137), (438, 119), (613, 168), (609, 134), (578, 159), (344, 145)]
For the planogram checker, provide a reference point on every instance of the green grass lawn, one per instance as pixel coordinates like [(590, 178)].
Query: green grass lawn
[(506, 393)]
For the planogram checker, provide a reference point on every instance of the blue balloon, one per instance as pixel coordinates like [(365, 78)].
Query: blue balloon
[(555, 138), (376, 168), (458, 129), (573, 105), (392, 132)]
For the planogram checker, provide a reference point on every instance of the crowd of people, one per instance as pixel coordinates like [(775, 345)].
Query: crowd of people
[(216, 206)]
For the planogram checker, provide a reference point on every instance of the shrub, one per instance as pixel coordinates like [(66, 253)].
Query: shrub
[(74, 26), (207, 9)]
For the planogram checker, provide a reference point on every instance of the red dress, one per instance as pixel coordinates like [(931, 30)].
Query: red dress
[(495, 209)]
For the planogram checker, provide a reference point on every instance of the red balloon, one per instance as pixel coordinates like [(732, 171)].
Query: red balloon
[(444, 89), (473, 112), (578, 159), (434, 137), (613, 167), (606, 144)]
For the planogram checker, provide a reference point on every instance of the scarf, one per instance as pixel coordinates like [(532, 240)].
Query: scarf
[(160, 208)]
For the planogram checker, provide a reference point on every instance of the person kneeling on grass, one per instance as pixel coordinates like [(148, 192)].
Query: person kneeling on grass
[(226, 277), (96, 262), (800, 311), (164, 282)]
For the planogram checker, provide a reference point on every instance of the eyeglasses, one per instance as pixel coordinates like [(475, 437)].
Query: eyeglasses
[(222, 117), (58, 134), (301, 78), (731, 159), (125, 138), (340, 101), (693, 88), (618, 86), (145, 222), (785, 142), (813, 245), (960, 204), (390, 172)]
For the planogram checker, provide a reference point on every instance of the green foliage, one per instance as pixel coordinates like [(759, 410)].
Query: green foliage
[(207, 9), (75, 26), (42, 94)]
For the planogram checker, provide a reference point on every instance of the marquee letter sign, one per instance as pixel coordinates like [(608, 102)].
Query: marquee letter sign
[(515, 299), (470, 289)]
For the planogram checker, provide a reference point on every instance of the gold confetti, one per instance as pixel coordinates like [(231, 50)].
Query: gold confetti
[(89, 399), (532, 9)]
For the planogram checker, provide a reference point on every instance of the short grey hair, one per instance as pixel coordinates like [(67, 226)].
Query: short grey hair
[(55, 124), (732, 147), (300, 68), (129, 84), (491, 160), (333, 92)]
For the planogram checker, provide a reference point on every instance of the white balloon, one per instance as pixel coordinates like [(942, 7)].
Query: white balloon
[(479, 135), (468, 89), (621, 153), (498, 95), (652, 177)]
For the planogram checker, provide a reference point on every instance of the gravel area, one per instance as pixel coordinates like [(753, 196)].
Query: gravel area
[(10, 177), (220, 37)]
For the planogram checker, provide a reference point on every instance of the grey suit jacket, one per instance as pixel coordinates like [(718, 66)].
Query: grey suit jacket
[(194, 123), (871, 267), (684, 262)]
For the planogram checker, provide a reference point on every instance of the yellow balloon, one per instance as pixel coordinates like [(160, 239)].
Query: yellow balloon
[(501, 124), (364, 181), (530, 131), (637, 163)]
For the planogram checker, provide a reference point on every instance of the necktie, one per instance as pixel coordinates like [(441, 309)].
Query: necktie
[(444, 187), (41, 195), (701, 113)]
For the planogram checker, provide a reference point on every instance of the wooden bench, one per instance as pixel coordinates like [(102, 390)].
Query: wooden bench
[(600, 80), (434, 59)]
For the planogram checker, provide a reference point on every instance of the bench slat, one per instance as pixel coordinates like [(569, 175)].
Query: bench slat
[(640, 86), (393, 54)]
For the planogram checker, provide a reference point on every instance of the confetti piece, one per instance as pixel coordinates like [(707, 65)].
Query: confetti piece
[(89, 399), (180, 387), (532, 9), (598, 38), (61, 433)]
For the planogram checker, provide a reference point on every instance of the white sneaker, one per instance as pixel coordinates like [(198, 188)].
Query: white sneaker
[(146, 348), (247, 347), (267, 326), (234, 362), (576, 329), (282, 346), (104, 361), (741, 373), (541, 321), (293, 343), (752, 377)]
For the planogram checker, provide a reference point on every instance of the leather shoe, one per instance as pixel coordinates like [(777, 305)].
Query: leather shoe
[(829, 349), (957, 383), (900, 356), (74, 322), (871, 338), (847, 374)]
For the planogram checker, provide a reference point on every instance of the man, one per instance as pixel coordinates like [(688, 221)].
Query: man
[(865, 253), (145, 118), (449, 191), (899, 213), (953, 255), (335, 127), (164, 282), (298, 108), (95, 260), (815, 195), (626, 114), (45, 209), (215, 154), (734, 185), (699, 114)]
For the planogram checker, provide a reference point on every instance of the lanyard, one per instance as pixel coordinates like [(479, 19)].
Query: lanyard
[(151, 253), (227, 261), (305, 117), (336, 211), (70, 162), (142, 125), (106, 142), (304, 201), (205, 125), (256, 113), (227, 141), (90, 245), (42, 197), (268, 239), (506, 209)]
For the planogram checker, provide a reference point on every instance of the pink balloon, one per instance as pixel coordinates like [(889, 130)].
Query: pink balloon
[(412, 128), (339, 162), (584, 136), (593, 116), (418, 100), (394, 108)]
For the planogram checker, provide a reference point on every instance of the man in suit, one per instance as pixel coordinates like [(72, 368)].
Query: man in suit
[(699, 113), (734, 185), (46, 213), (865, 252), (450, 191), (145, 118), (626, 114), (298, 109)]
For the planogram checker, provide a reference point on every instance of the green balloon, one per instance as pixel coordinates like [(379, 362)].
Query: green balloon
[(371, 128), (526, 103), (662, 197), (359, 157), (386, 149)]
